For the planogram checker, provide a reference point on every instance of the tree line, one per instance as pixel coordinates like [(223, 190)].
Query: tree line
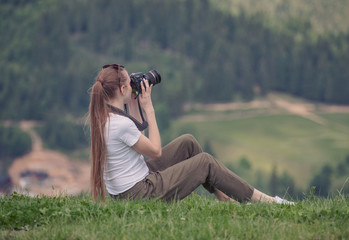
[(50, 53)]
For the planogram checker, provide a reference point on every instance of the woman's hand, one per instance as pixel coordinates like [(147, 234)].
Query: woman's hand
[(145, 96), (144, 99)]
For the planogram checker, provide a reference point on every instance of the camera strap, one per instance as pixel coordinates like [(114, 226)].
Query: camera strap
[(140, 126)]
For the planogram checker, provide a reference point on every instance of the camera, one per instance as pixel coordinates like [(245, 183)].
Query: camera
[(152, 76)]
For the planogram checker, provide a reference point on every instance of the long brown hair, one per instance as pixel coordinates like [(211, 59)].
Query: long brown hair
[(108, 80)]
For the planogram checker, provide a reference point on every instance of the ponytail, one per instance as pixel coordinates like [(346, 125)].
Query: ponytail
[(104, 89), (98, 118)]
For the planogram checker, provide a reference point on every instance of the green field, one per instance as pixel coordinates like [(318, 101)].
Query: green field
[(195, 217), (290, 143)]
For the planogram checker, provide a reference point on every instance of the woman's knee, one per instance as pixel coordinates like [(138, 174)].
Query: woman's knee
[(191, 142), (207, 159), (188, 137)]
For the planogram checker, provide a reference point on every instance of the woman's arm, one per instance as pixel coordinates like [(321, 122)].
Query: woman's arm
[(151, 146)]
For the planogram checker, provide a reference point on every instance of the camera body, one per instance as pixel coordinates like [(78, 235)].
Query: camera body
[(152, 76)]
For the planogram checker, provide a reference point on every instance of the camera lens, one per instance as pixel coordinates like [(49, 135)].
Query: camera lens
[(153, 77)]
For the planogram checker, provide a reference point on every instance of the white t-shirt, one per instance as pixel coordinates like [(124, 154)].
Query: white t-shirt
[(125, 166)]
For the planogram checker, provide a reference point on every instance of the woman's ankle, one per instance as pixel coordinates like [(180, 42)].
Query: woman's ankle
[(258, 196)]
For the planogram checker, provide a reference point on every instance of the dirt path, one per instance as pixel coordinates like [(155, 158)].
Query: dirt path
[(300, 109), (47, 172), (272, 104), (28, 126)]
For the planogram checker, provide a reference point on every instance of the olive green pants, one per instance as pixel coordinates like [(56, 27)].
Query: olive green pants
[(183, 167)]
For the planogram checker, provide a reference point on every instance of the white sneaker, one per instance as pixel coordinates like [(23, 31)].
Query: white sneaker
[(279, 200)]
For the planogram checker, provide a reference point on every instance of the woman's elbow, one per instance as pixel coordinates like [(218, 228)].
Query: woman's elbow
[(155, 153), (158, 153)]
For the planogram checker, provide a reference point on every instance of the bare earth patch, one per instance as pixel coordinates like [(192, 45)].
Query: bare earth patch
[(47, 172)]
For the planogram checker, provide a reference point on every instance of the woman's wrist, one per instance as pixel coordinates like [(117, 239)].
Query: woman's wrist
[(149, 109)]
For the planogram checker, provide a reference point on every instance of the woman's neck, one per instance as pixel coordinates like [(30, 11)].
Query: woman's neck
[(116, 103)]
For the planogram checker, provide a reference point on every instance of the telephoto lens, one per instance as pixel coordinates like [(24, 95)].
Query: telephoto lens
[(152, 76)]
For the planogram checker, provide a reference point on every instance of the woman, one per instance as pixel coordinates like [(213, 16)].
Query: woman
[(171, 173)]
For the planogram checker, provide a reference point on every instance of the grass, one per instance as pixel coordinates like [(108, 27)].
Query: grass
[(293, 144), (196, 217)]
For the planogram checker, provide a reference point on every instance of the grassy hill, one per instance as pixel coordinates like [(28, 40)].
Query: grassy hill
[(195, 217), (270, 137), (324, 16)]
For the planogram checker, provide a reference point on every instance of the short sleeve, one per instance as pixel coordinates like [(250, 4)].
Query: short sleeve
[(129, 133)]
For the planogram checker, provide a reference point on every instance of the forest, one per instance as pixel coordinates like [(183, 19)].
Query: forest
[(51, 51)]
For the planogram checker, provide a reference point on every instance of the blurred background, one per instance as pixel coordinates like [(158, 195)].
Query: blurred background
[(262, 84)]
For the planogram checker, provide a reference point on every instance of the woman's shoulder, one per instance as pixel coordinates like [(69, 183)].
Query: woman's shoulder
[(122, 127), (119, 120)]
